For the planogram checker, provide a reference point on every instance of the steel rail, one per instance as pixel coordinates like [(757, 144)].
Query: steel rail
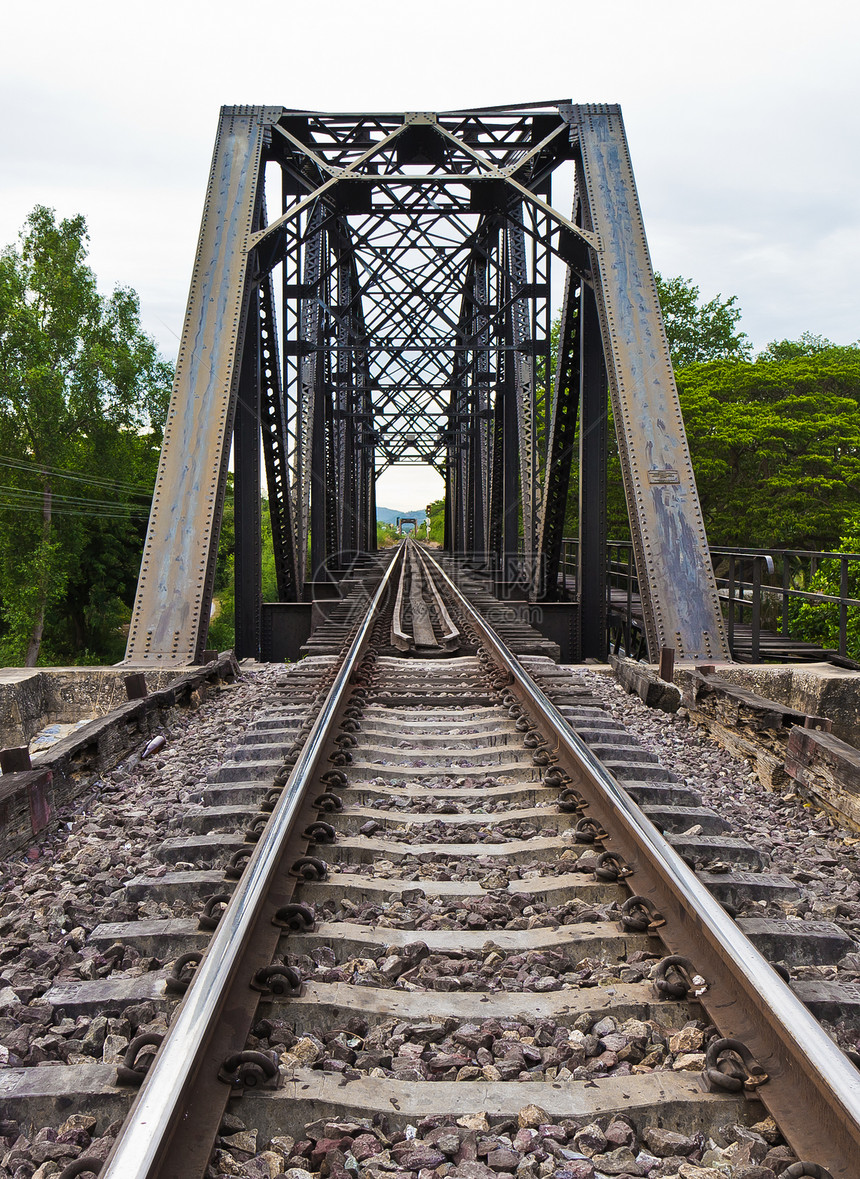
[(156, 1114), (813, 1091), (451, 630), (423, 634), (399, 637)]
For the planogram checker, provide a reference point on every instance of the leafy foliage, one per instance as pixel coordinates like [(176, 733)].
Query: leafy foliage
[(698, 332), (386, 535), (83, 396), (776, 447), (808, 344), (775, 442), (436, 512), (222, 628), (819, 622)]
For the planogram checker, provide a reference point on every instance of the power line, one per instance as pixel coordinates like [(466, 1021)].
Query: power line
[(61, 511), (74, 476), (25, 494)]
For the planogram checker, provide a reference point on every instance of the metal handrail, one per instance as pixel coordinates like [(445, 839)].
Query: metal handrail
[(812, 1055), (152, 1117), (740, 594)]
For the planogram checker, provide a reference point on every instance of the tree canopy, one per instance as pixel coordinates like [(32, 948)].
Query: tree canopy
[(83, 395), (776, 447), (808, 344), (775, 441), (698, 332)]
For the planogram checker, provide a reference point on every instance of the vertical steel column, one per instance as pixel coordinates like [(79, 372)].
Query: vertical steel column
[(478, 406), (366, 539), (318, 476), (342, 434), (522, 373), (360, 432), (511, 472), (370, 476), (246, 492), (495, 542), (593, 415), (291, 387), (562, 433), (462, 444), (496, 425), (310, 393), (320, 440), (276, 449), (448, 526), (456, 461), (330, 472)]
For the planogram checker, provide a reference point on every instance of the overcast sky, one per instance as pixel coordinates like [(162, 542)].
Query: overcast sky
[(742, 119)]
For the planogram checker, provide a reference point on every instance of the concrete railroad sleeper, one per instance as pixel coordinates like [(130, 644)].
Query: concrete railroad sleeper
[(441, 858)]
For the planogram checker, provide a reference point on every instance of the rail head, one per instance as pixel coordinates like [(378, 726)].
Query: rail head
[(814, 1089), (450, 630), (155, 1115)]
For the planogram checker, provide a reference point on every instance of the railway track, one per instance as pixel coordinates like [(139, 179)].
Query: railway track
[(447, 937)]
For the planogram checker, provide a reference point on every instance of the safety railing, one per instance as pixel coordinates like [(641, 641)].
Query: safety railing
[(623, 606), (760, 590), (765, 585)]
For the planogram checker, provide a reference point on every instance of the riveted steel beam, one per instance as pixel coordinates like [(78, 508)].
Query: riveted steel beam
[(411, 265), (171, 611), (676, 580)]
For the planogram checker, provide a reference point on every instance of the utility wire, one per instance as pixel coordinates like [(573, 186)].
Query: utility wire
[(74, 476), (19, 507), (25, 494)]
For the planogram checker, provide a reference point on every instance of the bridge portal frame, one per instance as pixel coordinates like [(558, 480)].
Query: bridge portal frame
[(408, 263)]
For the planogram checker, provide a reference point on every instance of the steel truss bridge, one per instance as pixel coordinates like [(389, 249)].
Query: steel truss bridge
[(372, 289)]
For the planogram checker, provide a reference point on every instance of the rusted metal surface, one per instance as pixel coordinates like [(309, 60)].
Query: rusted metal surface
[(15, 760), (415, 327), (174, 593), (813, 1090), (667, 663), (135, 685), (676, 580)]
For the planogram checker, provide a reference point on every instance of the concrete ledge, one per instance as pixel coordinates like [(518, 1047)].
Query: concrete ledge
[(33, 697), (643, 682), (749, 726), (813, 689), (827, 770), (29, 800)]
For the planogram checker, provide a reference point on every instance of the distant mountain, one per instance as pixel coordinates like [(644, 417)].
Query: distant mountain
[(390, 515)]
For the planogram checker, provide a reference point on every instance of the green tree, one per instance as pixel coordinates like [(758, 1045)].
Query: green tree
[(776, 447), (436, 512), (222, 628), (82, 389), (386, 535), (697, 331), (808, 344), (270, 577), (818, 622)]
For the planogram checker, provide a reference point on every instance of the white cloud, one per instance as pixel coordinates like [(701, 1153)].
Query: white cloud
[(742, 120)]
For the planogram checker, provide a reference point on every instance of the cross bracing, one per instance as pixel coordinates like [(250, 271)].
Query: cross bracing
[(374, 289)]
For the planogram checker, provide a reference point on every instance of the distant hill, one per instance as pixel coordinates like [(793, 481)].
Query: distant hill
[(390, 515)]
